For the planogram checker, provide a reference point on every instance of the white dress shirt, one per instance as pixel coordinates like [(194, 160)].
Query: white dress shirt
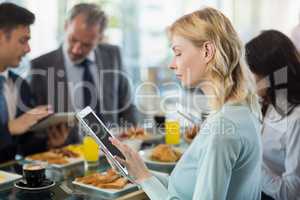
[(74, 78), (10, 94), (281, 155)]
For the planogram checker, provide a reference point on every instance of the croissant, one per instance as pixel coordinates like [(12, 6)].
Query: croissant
[(165, 153)]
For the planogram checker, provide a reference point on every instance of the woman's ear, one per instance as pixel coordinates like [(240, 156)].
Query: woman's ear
[(209, 51)]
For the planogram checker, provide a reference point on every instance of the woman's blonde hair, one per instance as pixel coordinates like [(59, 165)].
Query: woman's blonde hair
[(228, 72)]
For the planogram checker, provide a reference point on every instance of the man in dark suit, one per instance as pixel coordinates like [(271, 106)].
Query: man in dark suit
[(17, 111), (83, 72)]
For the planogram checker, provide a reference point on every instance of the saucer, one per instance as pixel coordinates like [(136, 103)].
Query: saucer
[(23, 185)]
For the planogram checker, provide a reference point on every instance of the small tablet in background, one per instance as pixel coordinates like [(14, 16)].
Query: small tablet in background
[(54, 119)]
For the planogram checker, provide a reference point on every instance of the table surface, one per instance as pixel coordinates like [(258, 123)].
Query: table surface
[(63, 190)]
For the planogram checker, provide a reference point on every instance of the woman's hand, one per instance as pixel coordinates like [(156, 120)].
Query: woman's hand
[(134, 164)]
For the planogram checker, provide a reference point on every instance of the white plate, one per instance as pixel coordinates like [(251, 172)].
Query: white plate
[(109, 192), (145, 154), (71, 161), (153, 137), (8, 177)]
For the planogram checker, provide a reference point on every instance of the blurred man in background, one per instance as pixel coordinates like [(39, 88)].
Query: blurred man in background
[(83, 72)]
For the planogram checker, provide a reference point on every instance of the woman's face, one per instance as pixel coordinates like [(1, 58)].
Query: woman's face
[(189, 62)]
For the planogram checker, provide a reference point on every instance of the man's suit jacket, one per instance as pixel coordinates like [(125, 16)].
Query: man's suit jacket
[(115, 92), (24, 144)]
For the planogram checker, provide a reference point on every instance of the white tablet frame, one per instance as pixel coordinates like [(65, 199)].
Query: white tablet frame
[(83, 113)]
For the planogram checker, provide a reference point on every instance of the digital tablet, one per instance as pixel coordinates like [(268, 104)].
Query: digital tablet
[(54, 119), (95, 128)]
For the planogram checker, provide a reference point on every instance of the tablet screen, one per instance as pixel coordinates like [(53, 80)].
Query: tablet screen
[(102, 133)]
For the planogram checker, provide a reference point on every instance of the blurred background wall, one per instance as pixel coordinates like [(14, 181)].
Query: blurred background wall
[(138, 27)]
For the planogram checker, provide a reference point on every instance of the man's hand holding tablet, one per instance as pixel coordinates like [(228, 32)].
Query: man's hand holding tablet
[(53, 120), (22, 124)]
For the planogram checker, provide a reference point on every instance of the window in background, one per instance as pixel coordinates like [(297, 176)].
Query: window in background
[(138, 26)]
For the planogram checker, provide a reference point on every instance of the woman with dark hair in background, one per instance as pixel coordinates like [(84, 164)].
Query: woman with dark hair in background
[(274, 60)]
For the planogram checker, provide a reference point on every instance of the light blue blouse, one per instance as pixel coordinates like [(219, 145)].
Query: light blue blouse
[(223, 162)]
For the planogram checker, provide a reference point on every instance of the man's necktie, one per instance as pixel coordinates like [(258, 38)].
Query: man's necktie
[(3, 104), (90, 92)]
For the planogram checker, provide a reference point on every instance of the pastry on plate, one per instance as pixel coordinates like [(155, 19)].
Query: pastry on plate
[(165, 153), (109, 180), (65, 153), (135, 133), (191, 133), (2, 179), (49, 157)]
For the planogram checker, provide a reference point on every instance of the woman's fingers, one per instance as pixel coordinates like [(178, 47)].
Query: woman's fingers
[(119, 145), (133, 162), (125, 150), (122, 161)]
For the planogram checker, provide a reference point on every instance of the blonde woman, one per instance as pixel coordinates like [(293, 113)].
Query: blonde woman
[(224, 160)]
